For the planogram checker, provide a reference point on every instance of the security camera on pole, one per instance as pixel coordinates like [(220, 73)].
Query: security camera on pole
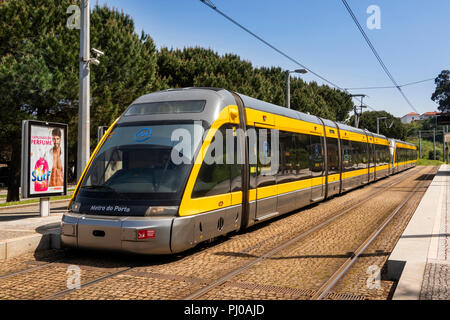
[(84, 92)]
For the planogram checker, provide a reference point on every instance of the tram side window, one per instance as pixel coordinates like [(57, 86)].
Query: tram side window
[(316, 156), (267, 168), (252, 155), (362, 155), (347, 155), (302, 156), (332, 155), (378, 154), (382, 155), (287, 163), (214, 179), (372, 155), (357, 155), (238, 162), (387, 154)]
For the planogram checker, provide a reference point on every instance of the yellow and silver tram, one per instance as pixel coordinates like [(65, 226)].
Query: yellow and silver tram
[(141, 192)]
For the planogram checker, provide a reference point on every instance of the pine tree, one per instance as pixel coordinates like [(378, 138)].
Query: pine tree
[(39, 68)]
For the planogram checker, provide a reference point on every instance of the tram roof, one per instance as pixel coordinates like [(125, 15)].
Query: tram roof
[(219, 98)]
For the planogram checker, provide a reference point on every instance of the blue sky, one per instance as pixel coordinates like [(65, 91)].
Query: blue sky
[(413, 39)]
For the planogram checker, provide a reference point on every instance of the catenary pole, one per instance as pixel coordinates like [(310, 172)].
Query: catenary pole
[(434, 143), (288, 90), (420, 146)]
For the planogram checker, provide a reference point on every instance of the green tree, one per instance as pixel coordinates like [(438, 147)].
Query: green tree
[(35, 59), (39, 69), (391, 127), (203, 67), (339, 102), (126, 71), (442, 93)]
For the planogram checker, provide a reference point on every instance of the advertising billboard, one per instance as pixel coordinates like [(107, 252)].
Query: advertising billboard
[(44, 159)]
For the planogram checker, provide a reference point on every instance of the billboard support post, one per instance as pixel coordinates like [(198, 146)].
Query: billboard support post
[(44, 207)]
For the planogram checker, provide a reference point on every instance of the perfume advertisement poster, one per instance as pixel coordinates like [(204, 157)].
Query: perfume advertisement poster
[(47, 160)]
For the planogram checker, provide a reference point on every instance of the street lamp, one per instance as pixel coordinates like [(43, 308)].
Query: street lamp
[(84, 92), (84, 115), (378, 123), (288, 85)]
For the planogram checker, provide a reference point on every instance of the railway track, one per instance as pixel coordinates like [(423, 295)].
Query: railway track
[(325, 289), (322, 292), (208, 286)]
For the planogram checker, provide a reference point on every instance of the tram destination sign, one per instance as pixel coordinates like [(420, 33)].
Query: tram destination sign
[(44, 159)]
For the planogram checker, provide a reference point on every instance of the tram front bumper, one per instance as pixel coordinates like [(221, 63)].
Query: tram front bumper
[(145, 235)]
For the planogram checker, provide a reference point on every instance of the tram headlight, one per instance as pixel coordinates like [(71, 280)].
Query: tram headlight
[(76, 206), (162, 211)]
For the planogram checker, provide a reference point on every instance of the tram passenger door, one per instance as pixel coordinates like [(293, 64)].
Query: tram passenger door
[(371, 163), (317, 167), (267, 168)]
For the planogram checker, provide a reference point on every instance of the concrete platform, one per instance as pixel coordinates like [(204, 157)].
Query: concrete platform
[(22, 230), (421, 259)]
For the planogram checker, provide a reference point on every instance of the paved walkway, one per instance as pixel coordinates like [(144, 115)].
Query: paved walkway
[(421, 258), (23, 230)]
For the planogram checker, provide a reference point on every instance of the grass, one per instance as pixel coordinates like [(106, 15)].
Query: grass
[(427, 151), (8, 204), (426, 162), (427, 148)]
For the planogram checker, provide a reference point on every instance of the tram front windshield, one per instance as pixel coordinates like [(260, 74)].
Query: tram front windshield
[(151, 161)]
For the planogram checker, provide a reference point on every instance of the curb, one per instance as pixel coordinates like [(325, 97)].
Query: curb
[(36, 242)]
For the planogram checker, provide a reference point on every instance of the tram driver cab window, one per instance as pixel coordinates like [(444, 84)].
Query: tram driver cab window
[(219, 177)]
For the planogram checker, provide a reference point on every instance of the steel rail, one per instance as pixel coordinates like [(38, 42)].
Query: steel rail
[(331, 282), (26, 270), (64, 292), (322, 224), (231, 274)]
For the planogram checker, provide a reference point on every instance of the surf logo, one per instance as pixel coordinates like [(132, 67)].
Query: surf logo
[(41, 175), (143, 135)]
